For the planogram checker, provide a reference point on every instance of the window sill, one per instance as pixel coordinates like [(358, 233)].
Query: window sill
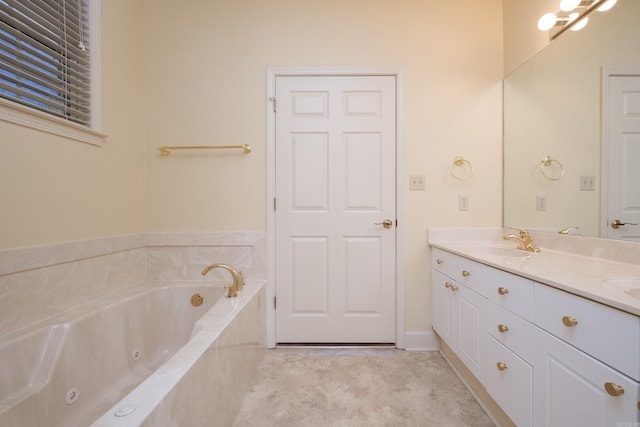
[(34, 119)]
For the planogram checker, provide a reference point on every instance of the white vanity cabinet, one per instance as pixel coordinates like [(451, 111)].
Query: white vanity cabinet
[(586, 362), (547, 357), (459, 313)]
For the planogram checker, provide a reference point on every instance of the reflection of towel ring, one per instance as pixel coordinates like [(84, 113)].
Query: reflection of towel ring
[(461, 162), (547, 161)]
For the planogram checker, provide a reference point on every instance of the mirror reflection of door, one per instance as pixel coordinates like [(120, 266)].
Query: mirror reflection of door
[(621, 155)]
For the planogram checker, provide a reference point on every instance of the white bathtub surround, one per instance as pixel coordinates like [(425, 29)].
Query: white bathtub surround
[(182, 256), (204, 382), (96, 353), (41, 282), (583, 266), (38, 283)]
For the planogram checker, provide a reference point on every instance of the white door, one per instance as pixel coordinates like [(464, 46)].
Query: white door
[(622, 139), (335, 186)]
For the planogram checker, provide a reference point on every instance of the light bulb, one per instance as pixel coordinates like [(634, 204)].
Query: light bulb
[(607, 5), (580, 24), (569, 5), (547, 21)]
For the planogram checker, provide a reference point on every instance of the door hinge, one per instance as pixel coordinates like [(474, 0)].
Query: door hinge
[(273, 101), (274, 302)]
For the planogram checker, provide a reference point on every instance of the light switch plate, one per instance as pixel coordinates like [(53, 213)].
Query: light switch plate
[(416, 182)]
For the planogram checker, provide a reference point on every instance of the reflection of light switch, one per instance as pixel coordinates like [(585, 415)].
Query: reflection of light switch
[(416, 182), (587, 183), (541, 203), (463, 203)]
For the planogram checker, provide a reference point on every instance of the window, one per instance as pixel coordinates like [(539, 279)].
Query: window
[(45, 57)]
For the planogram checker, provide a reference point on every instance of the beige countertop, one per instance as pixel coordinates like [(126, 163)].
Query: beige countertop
[(602, 279)]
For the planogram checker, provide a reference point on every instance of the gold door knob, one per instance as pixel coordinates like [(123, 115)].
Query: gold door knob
[(439, 261), (569, 321), (503, 328), (616, 223), (501, 366), (387, 223), (503, 291), (613, 389), (465, 273)]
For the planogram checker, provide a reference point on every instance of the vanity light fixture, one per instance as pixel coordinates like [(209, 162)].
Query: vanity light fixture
[(573, 15)]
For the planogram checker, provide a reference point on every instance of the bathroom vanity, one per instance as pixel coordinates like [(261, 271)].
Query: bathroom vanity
[(552, 338)]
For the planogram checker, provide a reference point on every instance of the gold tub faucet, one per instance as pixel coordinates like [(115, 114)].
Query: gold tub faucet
[(238, 279), (526, 242)]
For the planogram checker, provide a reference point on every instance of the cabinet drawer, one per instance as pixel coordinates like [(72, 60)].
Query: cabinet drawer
[(511, 330), (444, 262), (473, 275), (509, 380), (513, 292), (611, 336)]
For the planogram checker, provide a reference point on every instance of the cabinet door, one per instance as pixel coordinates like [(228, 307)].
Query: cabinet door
[(470, 329), (570, 389), (443, 316), (509, 382)]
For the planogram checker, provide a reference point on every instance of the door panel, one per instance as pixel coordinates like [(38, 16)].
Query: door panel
[(335, 179), (623, 141)]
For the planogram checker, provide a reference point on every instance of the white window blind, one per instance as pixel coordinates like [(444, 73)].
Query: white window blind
[(44, 56)]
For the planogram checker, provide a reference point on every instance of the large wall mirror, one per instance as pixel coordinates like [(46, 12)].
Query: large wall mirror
[(553, 163)]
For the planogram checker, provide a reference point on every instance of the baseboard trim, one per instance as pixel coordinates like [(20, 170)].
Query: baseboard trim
[(421, 341)]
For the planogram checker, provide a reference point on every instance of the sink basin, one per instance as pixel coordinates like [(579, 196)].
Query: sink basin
[(628, 285), (505, 252)]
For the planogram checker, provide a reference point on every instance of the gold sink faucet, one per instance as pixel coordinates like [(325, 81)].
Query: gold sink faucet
[(526, 242), (238, 279)]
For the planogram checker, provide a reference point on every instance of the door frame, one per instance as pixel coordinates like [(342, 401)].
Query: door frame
[(607, 73), (272, 74)]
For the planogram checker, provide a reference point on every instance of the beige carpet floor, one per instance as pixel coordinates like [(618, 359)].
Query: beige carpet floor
[(357, 387)]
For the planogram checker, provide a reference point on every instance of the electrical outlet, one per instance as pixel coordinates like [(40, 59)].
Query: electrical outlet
[(587, 183), (416, 182), (463, 203), (541, 203)]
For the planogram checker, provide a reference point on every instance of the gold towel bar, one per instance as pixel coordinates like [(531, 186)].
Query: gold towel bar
[(166, 150)]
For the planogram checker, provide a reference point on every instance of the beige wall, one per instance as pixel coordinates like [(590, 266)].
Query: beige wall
[(55, 190), (206, 84), (194, 72), (522, 39)]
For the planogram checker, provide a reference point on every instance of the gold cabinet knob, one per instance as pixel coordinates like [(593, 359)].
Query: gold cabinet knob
[(503, 291), (465, 273), (197, 300), (613, 389), (439, 261), (454, 288), (503, 328), (447, 285), (569, 321), (501, 366)]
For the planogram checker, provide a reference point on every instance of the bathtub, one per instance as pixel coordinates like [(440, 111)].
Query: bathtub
[(147, 358)]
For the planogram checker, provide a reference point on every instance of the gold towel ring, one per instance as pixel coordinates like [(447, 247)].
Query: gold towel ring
[(465, 165), (548, 161)]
